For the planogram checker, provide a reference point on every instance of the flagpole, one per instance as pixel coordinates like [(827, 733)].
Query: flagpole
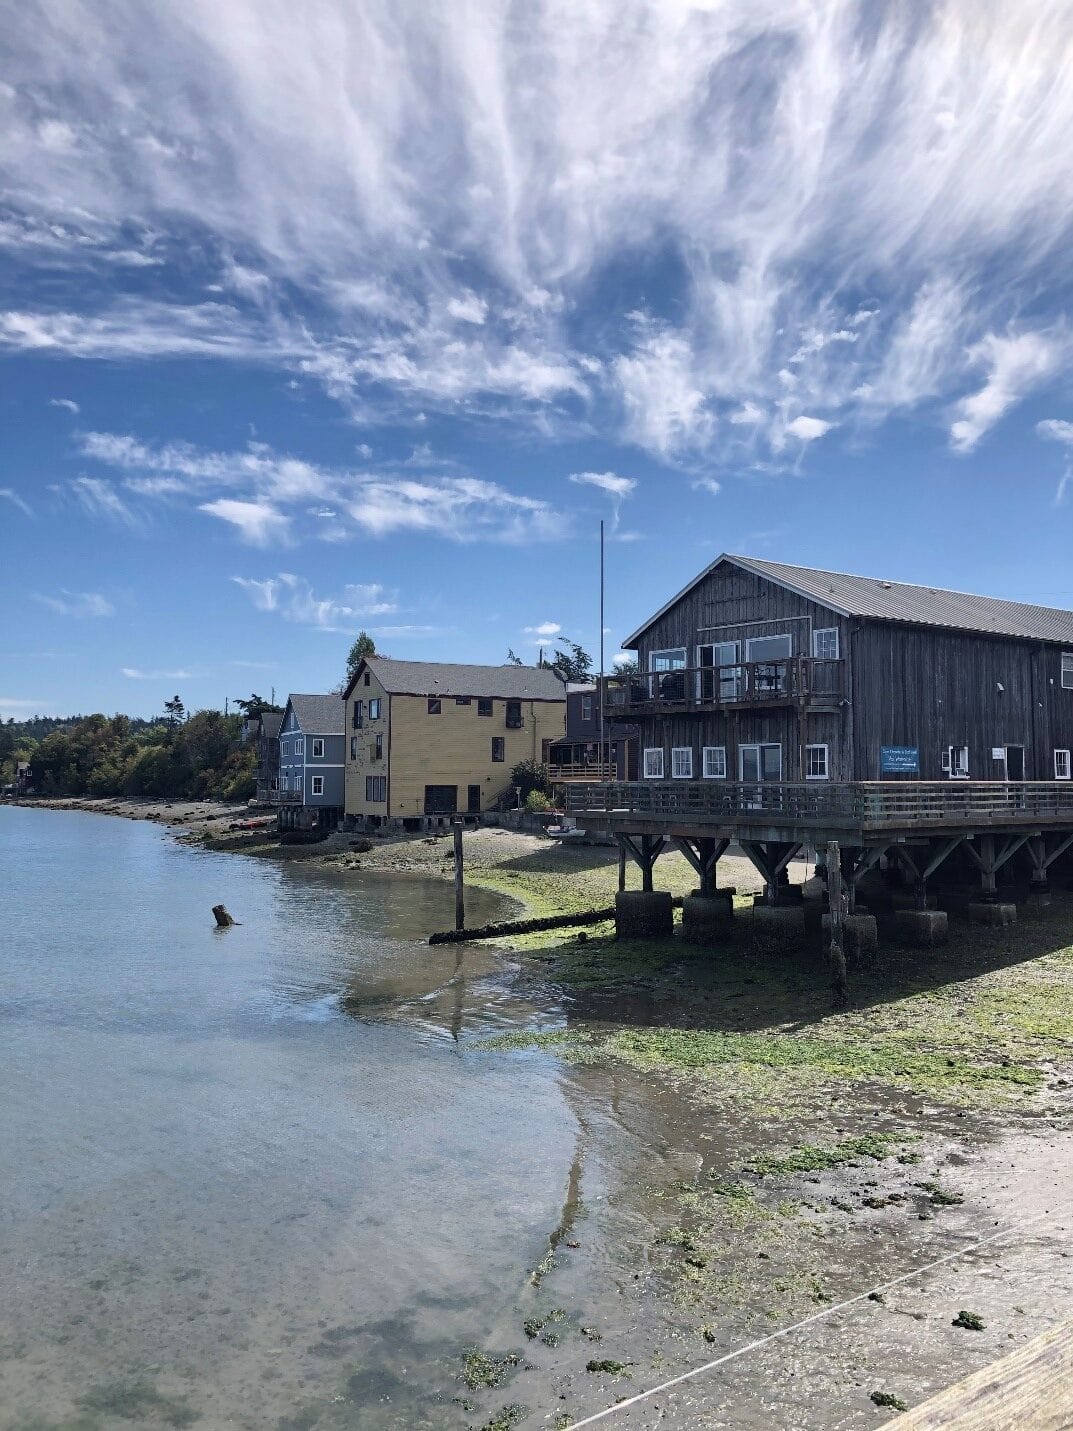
[(600, 690)]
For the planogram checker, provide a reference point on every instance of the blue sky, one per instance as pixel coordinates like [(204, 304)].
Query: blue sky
[(315, 318)]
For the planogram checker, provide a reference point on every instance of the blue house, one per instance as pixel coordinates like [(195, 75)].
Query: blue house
[(311, 764)]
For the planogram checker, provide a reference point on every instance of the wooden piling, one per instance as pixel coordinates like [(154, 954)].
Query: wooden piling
[(836, 906), (460, 897)]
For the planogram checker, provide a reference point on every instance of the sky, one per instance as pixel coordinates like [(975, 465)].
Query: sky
[(365, 313)]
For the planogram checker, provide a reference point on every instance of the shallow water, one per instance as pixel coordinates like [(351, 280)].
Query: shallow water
[(218, 1184)]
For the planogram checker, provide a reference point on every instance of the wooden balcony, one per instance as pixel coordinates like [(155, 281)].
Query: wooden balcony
[(568, 772), (291, 797), (860, 811), (748, 684)]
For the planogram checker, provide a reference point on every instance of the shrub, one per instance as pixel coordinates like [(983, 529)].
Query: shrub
[(536, 800), (529, 775)]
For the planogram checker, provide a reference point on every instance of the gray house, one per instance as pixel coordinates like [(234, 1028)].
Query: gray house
[(311, 764)]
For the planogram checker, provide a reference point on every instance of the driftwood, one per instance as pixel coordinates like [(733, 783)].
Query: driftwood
[(223, 919), (527, 926)]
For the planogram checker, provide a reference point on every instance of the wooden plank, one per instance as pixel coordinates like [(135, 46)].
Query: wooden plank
[(1030, 1390)]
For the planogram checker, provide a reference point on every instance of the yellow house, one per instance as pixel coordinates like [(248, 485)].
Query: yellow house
[(426, 740)]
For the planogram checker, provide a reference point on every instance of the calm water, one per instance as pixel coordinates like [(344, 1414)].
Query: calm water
[(222, 1194)]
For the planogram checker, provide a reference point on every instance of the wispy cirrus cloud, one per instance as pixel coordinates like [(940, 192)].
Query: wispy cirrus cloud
[(135, 673), (76, 603), (68, 404), (10, 495), (268, 496), (840, 216)]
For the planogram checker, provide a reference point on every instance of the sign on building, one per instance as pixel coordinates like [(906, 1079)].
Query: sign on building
[(899, 760)]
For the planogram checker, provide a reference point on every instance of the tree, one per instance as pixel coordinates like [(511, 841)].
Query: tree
[(513, 659), (529, 775), (363, 646), (174, 711), (626, 668), (572, 664), (255, 706)]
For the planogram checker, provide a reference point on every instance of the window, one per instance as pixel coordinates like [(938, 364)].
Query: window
[(298, 782), (955, 762), (768, 648), (499, 748), (586, 708), (433, 705), (672, 660), (376, 789), (714, 762), (825, 643), (484, 705), (366, 677), (1061, 764), (682, 762), (275, 783), (318, 785), (353, 747), (299, 747), (378, 748), (462, 700), (318, 748), (816, 762), (284, 783), (514, 715), (374, 708), (358, 718), (654, 764), (1067, 670)]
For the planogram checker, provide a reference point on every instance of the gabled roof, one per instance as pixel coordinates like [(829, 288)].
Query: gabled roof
[(318, 715), (873, 598), (271, 722), (442, 678)]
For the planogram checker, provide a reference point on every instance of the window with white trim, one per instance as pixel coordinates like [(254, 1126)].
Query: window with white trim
[(672, 660), (654, 763), (318, 785), (1061, 765), (299, 747), (586, 708), (318, 748), (825, 643), (816, 767), (284, 783), (1067, 670), (714, 762), (956, 762), (374, 708), (298, 782), (682, 762), (284, 748)]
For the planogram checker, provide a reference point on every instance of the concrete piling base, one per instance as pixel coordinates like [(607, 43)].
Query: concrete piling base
[(778, 918), (921, 928), (860, 937), (909, 899), (707, 919), (644, 914), (995, 916)]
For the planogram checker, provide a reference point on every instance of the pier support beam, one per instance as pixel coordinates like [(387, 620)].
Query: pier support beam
[(646, 850), (989, 857), (1043, 857), (704, 855), (770, 857), (921, 865)]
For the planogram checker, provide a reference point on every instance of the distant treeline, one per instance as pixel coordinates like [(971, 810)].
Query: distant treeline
[(196, 758)]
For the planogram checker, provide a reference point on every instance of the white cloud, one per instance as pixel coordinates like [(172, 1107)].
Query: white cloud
[(133, 673), (100, 499), (1057, 430), (607, 482), (545, 631), (707, 484), (77, 603), (1015, 365), (13, 497), (665, 410), (293, 598), (256, 522), (68, 403), (808, 429), (468, 308)]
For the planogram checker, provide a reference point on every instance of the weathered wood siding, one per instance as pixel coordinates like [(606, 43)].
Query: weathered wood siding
[(731, 605), (923, 687)]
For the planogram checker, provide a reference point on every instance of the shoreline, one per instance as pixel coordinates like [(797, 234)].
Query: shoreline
[(789, 1155)]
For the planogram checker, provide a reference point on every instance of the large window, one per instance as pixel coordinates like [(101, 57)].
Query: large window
[(956, 762), (318, 748), (353, 747), (1061, 765), (359, 706), (514, 715), (299, 747), (377, 751), (484, 705), (586, 708), (816, 762), (825, 643), (284, 782), (318, 785), (682, 762), (374, 708), (1067, 670), (376, 789), (499, 748), (672, 660), (714, 762), (654, 763)]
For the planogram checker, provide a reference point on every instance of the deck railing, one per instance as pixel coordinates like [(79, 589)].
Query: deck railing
[(878, 804), (566, 771), (702, 687)]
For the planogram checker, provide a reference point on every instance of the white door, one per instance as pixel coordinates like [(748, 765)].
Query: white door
[(719, 677), (758, 765)]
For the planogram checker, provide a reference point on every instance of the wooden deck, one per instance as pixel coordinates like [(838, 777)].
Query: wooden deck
[(803, 679), (859, 812), (1031, 1390)]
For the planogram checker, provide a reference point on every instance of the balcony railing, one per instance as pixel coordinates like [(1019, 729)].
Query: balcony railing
[(290, 797), (703, 687), (867, 804), (567, 771)]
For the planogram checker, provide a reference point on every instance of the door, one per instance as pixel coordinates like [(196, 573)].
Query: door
[(1015, 762), (719, 677), (473, 799), (441, 799), (666, 681), (759, 765)]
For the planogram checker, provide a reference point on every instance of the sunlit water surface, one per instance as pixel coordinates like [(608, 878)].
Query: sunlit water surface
[(223, 1194)]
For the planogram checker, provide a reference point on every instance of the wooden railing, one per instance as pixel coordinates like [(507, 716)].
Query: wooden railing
[(702, 687), (875, 804), (569, 770), (290, 797)]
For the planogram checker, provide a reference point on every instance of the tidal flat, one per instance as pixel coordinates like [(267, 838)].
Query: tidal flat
[(311, 1173)]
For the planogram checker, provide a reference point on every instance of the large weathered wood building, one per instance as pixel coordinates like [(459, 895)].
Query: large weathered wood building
[(761, 671)]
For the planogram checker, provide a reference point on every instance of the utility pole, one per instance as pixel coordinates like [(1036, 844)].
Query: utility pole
[(600, 687)]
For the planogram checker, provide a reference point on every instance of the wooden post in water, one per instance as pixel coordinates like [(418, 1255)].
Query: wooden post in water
[(837, 954), (621, 867), (460, 898)]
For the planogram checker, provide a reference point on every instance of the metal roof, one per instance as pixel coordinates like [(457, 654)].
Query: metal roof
[(318, 715), (876, 599), (441, 678)]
